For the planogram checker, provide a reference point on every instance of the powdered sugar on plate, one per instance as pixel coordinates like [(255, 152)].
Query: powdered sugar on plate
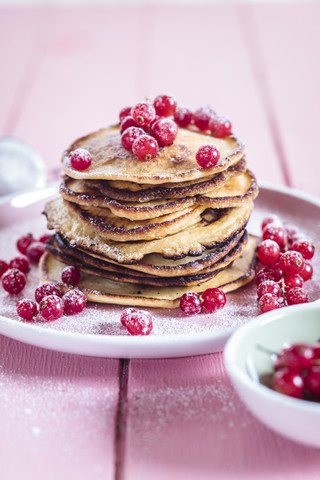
[(103, 321)]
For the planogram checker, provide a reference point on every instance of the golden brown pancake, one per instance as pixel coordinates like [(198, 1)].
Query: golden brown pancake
[(102, 290), (174, 163)]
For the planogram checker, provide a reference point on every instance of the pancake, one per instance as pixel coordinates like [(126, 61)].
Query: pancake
[(192, 240), (237, 189), (102, 290), (174, 163), (153, 264)]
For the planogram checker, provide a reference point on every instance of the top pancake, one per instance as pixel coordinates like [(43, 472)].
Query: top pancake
[(174, 163)]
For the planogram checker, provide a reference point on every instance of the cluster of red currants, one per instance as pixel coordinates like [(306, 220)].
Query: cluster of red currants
[(212, 299), (297, 371), (52, 305), (285, 254), (14, 274), (137, 322)]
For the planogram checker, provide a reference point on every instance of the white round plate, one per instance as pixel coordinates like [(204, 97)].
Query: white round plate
[(97, 331)]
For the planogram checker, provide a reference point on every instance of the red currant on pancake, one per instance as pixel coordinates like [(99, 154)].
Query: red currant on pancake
[(145, 147), (207, 156), (80, 159), (165, 105), (183, 117), (164, 131), (220, 126)]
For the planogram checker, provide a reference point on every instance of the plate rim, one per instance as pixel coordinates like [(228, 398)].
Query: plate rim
[(121, 346)]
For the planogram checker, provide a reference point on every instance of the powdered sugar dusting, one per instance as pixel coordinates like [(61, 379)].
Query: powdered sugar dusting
[(105, 319)]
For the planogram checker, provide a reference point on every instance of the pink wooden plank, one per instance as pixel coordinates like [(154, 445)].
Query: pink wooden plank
[(57, 414), (87, 74), (21, 52), (186, 421), (199, 53), (288, 37)]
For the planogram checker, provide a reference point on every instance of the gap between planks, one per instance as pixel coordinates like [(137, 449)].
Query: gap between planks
[(121, 419)]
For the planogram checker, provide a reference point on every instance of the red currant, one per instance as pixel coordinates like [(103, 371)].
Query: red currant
[(74, 302), (51, 307), (24, 242), (145, 147), (27, 309), (127, 122), (270, 219), (190, 303), (183, 117), (80, 159), (275, 233), (307, 271), (291, 262), (213, 299), (13, 281), (21, 263), (293, 233), (3, 267), (207, 156), (44, 238), (268, 302), (266, 273), (164, 131), (143, 113), (124, 112), (292, 281), (268, 286), (165, 105), (139, 322), (312, 380), (305, 247), (129, 136), (125, 315), (289, 382), (46, 289), (220, 126), (298, 356), (268, 252), (35, 251), (296, 295), (202, 116), (70, 276)]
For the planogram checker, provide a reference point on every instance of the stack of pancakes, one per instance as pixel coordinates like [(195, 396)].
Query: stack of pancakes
[(145, 233)]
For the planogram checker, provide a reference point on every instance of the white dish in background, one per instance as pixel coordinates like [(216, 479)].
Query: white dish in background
[(97, 330), (246, 360)]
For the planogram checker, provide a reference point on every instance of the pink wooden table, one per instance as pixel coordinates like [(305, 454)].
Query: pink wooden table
[(66, 72)]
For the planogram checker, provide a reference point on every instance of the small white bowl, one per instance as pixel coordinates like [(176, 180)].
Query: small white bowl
[(246, 361)]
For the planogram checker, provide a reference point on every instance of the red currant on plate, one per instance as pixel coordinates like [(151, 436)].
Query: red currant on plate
[(190, 303), (70, 275), (145, 147), (183, 117), (275, 233), (74, 302), (164, 131), (3, 267), (268, 302), (27, 309), (269, 286), (296, 295), (165, 105), (291, 262), (35, 251), (207, 156), (13, 281), (143, 113), (213, 299), (21, 263), (220, 126), (48, 288), (202, 116), (305, 247), (268, 252), (80, 159), (51, 308), (307, 271), (24, 242), (292, 281), (274, 219), (44, 238), (139, 322), (266, 273), (125, 315), (129, 136)]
